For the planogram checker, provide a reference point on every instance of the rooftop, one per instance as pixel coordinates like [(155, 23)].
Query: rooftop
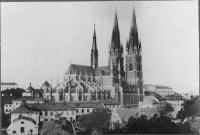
[(174, 97), (52, 106), (86, 104), (7, 99), (109, 102), (57, 127), (8, 83), (24, 109), (80, 68)]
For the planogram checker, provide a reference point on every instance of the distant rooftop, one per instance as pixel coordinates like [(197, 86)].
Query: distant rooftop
[(86, 104), (158, 86), (109, 102), (8, 83)]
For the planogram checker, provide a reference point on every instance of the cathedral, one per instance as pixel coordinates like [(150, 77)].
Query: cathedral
[(120, 80)]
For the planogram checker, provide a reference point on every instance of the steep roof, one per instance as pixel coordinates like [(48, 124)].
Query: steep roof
[(46, 84), (109, 102), (104, 70), (57, 127), (24, 109), (83, 68), (86, 104), (7, 99), (126, 113)]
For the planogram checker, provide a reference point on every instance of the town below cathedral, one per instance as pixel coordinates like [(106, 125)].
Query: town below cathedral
[(98, 99)]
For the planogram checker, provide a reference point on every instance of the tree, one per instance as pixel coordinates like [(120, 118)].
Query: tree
[(190, 107), (155, 125), (98, 120)]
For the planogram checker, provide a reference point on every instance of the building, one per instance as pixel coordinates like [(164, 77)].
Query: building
[(161, 106), (159, 89), (175, 101), (29, 99), (26, 111), (59, 126), (117, 81), (23, 126), (8, 85), (50, 109), (6, 102), (85, 107)]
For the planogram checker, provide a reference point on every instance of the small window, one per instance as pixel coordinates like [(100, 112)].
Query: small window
[(130, 67), (82, 110), (46, 119), (40, 113), (14, 132), (22, 129), (31, 130), (46, 113), (77, 111), (16, 103), (61, 112), (51, 113), (51, 119), (7, 110), (10, 105), (88, 110), (22, 122), (6, 105)]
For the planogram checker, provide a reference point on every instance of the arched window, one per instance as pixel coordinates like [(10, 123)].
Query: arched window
[(130, 67), (22, 122)]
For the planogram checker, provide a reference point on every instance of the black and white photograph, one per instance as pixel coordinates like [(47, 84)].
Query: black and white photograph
[(100, 67)]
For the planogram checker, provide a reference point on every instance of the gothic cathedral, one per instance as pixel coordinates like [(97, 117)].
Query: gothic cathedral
[(112, 82)]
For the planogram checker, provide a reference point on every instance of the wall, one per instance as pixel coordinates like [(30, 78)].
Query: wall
[(28, 125)]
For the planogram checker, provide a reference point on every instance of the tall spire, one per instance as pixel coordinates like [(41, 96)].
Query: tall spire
[(94, 44), (115, 41), (133, 22), (115, 26), (94, 51), (133, 37)]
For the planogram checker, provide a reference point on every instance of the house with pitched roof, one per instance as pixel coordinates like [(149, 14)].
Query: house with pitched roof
[(59, 126), (26, 111), (23, 125)]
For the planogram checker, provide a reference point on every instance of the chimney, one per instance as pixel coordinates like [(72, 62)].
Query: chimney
[(24, 102), (63, 120), (57, 116)]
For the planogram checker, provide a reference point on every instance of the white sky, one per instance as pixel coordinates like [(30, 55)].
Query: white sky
[(39, 39)]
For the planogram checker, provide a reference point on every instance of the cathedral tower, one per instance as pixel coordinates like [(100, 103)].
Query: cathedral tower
[(134, 74), (115, 59), (94, 52)]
